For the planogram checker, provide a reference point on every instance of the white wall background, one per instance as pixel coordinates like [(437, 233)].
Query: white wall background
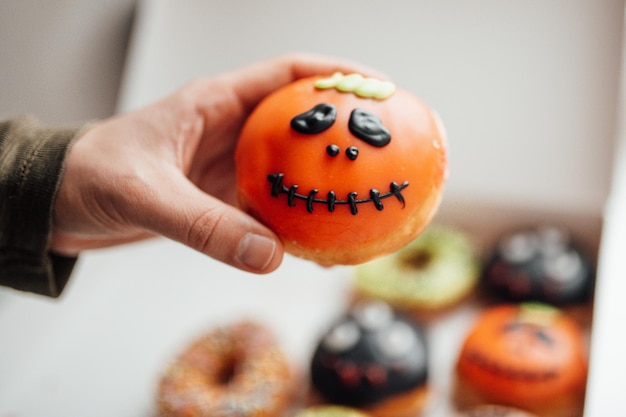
[(527, 89), (62, 60)]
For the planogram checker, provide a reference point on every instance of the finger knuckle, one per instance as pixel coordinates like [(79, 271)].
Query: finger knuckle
[(203, 232)]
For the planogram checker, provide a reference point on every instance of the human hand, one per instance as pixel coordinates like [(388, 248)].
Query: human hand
[(168, 169)]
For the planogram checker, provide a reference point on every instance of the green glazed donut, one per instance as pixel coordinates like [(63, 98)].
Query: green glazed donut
[(432, 272), (330, 411)]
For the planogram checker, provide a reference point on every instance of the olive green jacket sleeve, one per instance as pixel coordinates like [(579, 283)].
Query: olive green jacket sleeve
[(31, 164)]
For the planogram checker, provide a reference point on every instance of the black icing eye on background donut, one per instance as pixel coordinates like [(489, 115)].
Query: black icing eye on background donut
[(539, 264), (316, 120), (369, 128), (540, 334), (342, 337)]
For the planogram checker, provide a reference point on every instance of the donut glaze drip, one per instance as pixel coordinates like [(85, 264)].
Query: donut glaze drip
[(331, 201), (368, 356)]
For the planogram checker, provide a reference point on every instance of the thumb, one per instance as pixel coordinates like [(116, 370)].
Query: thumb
[(182, 212)]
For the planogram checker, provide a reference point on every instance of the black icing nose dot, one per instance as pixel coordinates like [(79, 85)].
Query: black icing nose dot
[(332, 150), (352, 152)]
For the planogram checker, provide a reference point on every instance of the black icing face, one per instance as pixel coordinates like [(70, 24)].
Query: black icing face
[(368, 355), (363, 125), (540, 264)]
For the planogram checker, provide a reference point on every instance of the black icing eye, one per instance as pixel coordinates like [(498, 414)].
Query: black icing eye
[(369, 128), (397, 340), (342, 337), (563, 267), (513, 327), (519, 248), (316, 120), (373, 314), (544, 337)]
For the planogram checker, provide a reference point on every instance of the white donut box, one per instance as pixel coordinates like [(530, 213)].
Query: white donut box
[(531, 95)]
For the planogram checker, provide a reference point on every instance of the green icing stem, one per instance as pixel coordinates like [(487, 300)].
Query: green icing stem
[(375, 89), (357, 84), (537, 313), (325, 83)]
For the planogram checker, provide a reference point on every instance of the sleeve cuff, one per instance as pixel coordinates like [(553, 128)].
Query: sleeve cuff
[(31, 164)]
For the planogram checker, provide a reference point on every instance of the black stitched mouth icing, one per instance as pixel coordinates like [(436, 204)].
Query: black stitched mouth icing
[(483, 362), (375, 197)]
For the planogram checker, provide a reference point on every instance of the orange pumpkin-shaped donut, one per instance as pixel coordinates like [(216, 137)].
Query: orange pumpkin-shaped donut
[(343, 169), (529, 356)]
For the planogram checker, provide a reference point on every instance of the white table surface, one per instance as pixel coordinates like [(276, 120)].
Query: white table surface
[(98, 351)]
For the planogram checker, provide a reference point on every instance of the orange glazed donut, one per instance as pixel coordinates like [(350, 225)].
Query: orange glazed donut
[(344, 169), (236, 371), (530, 356)]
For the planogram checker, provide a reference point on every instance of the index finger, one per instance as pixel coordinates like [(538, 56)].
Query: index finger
[(252, 83)]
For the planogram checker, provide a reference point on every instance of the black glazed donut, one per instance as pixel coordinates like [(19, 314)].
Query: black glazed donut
[(374, 359), (541, 264)]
